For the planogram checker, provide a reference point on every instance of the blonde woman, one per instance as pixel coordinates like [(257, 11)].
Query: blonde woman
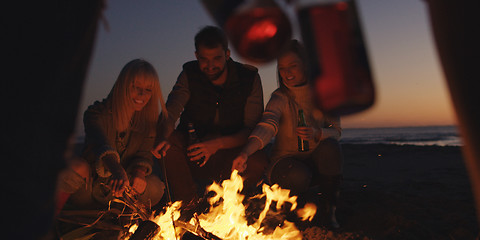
[(119, 134)]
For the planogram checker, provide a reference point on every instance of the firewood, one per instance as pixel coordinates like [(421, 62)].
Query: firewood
[(145, 231)]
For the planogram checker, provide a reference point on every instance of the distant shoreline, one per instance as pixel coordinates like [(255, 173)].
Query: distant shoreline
[(408, 126)]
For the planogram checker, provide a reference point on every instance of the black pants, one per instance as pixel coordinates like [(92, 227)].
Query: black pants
[(187, 180)]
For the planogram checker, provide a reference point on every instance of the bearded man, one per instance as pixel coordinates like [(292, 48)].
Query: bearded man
[(223, 99)]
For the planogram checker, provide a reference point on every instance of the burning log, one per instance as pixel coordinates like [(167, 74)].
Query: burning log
[(117, 219), (146, 230), (196, 229), (130, 201), (228, 218)]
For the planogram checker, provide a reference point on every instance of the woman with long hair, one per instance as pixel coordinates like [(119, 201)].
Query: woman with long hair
[(119, 134), (321, 164)]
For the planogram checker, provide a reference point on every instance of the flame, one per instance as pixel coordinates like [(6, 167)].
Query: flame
[(227, 219), (165, 221)]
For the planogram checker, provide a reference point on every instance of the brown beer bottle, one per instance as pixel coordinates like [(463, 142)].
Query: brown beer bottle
[(192, 139), (302, 144), (340, 69), (258, 29)]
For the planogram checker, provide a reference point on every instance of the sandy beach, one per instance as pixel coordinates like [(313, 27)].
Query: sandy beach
[(404, 192)]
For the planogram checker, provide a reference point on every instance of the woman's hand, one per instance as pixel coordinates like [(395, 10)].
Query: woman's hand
[(203, 149), (118, 181), (161, 149), (308, 133), (240, 163)]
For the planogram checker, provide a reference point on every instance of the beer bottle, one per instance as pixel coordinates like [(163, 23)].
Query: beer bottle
[(258, 29), (302, 144), (340, 68), (192, 139)]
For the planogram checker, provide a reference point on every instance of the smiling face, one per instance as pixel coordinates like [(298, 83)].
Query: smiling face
[(291, 69), (212, 61), (141, 92)]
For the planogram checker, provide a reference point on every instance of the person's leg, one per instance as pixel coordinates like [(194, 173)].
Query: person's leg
[(154, 191), (328, 159), (179, 176), (290, 173), (256, 166), (221, 167), (70, 180)]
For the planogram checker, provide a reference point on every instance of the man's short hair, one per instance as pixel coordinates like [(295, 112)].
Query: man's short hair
[(211, 37)]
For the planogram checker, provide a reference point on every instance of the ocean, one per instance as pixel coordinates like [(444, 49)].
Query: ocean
[(419, 136)]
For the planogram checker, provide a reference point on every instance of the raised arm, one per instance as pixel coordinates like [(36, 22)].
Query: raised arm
[(176, 101)]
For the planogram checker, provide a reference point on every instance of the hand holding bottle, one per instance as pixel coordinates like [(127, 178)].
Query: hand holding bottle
[(303, 131), (306, 133), (202, 151)]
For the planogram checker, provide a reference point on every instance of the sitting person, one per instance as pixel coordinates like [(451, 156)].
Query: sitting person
[(321, 164), (119, 134), (223, 99)]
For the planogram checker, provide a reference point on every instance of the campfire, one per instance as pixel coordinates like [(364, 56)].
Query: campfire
[(228, 217), (226, 214)]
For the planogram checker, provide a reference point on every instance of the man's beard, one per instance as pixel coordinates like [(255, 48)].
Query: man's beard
[(215, 76)]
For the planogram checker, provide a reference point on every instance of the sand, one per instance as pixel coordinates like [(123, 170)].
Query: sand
[(403, 192)]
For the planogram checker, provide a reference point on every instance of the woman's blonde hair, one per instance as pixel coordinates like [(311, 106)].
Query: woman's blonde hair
[(124, 115)]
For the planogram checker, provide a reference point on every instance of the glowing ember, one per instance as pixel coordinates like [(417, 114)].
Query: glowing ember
[(227, 218)]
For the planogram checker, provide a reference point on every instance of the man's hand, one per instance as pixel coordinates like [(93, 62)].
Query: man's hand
[(161, 149), (203, 149), (240, 163)]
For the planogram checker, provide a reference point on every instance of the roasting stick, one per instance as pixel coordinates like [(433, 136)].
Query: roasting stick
[(169, 196)]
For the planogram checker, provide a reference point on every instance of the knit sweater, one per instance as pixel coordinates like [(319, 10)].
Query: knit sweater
[(280, 120)]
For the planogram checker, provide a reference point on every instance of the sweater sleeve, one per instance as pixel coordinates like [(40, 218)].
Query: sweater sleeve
[(142, 157), (99, 146), (267, 128), (254, 105), (331, 129), (176, 101)]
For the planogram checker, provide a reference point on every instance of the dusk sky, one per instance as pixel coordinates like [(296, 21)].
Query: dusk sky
[(410, 86)]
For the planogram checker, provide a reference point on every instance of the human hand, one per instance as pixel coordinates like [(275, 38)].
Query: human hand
[(161, 149), (240, 163), (201, 150), (118, 181), (139, 183), (307, 133)]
